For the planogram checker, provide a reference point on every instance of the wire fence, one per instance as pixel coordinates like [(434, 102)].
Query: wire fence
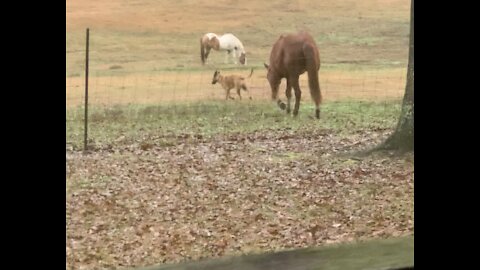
[(180, 86), (129, 77)]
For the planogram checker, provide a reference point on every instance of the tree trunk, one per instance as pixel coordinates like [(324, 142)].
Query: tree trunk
[(402, 138)]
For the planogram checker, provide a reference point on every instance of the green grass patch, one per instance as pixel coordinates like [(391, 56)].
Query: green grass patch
[(126, 123)]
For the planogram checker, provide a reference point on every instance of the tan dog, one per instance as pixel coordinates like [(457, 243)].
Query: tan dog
[(230, 82)]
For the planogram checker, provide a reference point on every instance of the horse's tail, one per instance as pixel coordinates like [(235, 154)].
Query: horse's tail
[(312, 68), (202, 51), (251, 72)]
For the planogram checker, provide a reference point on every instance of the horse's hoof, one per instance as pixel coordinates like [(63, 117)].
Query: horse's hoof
[(283, 106)]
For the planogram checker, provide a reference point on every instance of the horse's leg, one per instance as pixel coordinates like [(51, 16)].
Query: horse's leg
[(288, 93), (317, 99), (274, 85), (207, 52), (234, 55), (298, 95), (226, 56), (238, 92), (317, 107)]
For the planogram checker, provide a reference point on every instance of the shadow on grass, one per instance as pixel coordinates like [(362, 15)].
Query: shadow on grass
[(395, 253)]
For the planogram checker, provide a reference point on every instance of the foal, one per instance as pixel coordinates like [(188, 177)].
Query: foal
[(230, 82)]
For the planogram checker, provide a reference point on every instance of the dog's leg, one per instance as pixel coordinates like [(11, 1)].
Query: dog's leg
[(244, 87), (228, 94)]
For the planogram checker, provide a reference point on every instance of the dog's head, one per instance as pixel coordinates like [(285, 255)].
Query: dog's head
[(215, 77)]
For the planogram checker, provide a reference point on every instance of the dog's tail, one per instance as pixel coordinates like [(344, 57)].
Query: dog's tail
[(244, 87)]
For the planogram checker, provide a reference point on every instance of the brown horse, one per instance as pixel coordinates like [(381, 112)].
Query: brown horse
[(291, 56)]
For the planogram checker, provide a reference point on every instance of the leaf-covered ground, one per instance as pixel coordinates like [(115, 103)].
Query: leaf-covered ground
[(181, 197)]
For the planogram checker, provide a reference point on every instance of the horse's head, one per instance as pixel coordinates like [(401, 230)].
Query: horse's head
[(270, 74), (273, 80), (215, 77), (243, 58)]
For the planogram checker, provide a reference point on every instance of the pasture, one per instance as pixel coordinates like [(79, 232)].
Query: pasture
[(177, 173)]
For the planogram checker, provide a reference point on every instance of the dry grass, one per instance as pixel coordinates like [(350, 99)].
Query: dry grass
[(174, 86), (363, 46)]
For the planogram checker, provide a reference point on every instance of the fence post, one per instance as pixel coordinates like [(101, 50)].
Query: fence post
[(86, 95)]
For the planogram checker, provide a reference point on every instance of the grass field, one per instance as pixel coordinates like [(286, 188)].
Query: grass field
[(142, 51), (210, 118), (175, 173)]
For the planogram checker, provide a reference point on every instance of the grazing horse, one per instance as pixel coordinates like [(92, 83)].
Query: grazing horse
[(227, 42), (291, 56)]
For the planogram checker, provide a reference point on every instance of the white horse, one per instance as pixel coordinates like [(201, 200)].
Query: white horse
[(227, 42)]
